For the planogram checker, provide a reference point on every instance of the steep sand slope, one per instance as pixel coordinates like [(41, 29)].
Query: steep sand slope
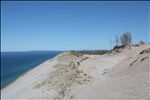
[(122, 73)]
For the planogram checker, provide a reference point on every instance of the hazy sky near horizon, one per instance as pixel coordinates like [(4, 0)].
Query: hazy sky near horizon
[(71, 25)]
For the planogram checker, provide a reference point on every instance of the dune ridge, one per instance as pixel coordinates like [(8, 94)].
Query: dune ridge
[(122, 73)]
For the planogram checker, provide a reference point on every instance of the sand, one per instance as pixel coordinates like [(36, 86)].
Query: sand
[(122, 73)]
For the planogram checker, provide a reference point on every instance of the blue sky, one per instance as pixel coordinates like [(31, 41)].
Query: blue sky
[(71, 25)]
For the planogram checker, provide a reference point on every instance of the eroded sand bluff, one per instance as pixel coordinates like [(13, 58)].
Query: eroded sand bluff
[(123, 73)]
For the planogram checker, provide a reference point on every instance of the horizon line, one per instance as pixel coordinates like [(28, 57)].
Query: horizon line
[(52, 50)]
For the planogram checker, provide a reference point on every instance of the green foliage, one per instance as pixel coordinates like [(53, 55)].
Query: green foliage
[(117, 40), (72, 52), (126, 38), (141, 42), (90, 52)]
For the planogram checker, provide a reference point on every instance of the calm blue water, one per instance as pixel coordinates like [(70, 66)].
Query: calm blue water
[(14, 64)]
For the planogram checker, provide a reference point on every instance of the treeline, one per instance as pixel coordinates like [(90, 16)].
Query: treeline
[(89, 52)]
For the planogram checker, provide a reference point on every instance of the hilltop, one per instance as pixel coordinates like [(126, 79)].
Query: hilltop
[(122, 73)]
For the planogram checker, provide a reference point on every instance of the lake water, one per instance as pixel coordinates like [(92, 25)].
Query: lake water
[(14, 64)]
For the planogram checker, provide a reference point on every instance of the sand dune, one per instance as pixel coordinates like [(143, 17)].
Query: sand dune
[(123, 73)]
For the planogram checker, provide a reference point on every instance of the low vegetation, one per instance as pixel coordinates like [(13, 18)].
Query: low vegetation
[(89, 52)]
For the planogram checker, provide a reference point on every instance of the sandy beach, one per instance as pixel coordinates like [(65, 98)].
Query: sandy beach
[(123, 73)]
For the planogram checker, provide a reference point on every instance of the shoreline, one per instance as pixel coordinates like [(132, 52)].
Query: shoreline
[(21, 76), (27, 72), (69, 76)]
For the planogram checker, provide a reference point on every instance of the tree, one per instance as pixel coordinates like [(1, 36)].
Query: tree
[(110, 43), (113, 43), (126, 38), (117, 40), (141, 42)]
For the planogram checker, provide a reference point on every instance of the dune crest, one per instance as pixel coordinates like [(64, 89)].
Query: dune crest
[(122, 73)]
